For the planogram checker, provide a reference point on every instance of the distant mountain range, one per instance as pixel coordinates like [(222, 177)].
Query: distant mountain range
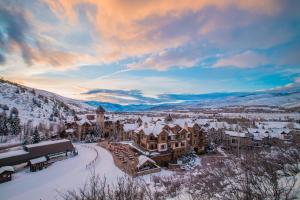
[(41, 106), (287, 97)]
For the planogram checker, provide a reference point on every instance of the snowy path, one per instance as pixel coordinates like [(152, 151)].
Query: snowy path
[(62, 175)]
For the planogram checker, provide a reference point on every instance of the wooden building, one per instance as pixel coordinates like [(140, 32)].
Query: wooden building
[(237, 140), (32, 151), (38, 163), (6, 173)]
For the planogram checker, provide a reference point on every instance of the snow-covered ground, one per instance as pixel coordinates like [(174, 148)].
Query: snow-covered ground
[(61, 176)]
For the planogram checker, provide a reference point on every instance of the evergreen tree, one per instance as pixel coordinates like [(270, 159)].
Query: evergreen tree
[(36, 136), (5, 108), (3, 124), (27, 130), (14, 122)]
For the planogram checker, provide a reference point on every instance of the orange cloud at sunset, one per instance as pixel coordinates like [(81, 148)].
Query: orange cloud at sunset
[(133, 28)]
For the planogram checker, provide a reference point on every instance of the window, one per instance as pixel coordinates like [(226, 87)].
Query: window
[(233, 141), (182, 144), (163, 146), (163, 137), (176, 144)]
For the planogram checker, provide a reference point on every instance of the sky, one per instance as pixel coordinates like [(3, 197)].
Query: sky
[(132, 51)]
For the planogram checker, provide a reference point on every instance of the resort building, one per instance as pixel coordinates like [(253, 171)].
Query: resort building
[(94, 124), (166, 139)]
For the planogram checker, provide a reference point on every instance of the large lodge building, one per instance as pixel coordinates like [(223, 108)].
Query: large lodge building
[(164, 137), (165, 140), (81, 127)]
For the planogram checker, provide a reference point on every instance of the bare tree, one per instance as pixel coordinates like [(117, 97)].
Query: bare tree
[(125, 188), (255, 175)]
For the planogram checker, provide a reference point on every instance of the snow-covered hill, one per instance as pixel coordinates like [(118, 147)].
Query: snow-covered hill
[(40, 105), (37, 105)]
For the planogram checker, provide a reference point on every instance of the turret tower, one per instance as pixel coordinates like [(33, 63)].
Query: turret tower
[(100, 117)]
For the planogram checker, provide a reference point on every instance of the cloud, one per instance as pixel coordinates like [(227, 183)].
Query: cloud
[(137, 97), (63, 34), (167, 59), (137, 28), (19, 36), (119, 96), (2, 59), (247, 59), (13, 29)]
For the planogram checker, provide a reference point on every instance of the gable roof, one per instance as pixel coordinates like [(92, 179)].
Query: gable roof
[(143, 159), (6, 169)]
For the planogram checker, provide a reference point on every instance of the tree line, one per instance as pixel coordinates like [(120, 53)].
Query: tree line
[(9, 125)]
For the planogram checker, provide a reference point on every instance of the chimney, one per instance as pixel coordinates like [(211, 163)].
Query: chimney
[(145, 125)]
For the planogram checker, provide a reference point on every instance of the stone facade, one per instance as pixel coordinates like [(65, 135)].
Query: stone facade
[(170, 139), (95, 124)]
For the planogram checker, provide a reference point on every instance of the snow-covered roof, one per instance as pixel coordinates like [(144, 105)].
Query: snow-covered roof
[(70, 119), (182, 122), (258, 134), (84, 120), (130, 127), (47, 143), (151, 128), (235, 133), (171, 125), (12, 153), (70, 130), (143, 159), (156, 128), (6, 168), (38, 160)]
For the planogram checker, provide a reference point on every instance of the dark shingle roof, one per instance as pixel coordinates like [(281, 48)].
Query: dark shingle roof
[(100, 109)]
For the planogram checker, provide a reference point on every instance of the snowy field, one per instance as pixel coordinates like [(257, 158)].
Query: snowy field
[(60, 176)]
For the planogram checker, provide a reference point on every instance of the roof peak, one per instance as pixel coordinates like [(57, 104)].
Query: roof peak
[(100, 109)]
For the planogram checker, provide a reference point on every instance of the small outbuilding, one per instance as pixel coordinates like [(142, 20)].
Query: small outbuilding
[(6, 173), (38, 163)]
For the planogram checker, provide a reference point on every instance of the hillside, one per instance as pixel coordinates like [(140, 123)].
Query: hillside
[(37, 105)]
